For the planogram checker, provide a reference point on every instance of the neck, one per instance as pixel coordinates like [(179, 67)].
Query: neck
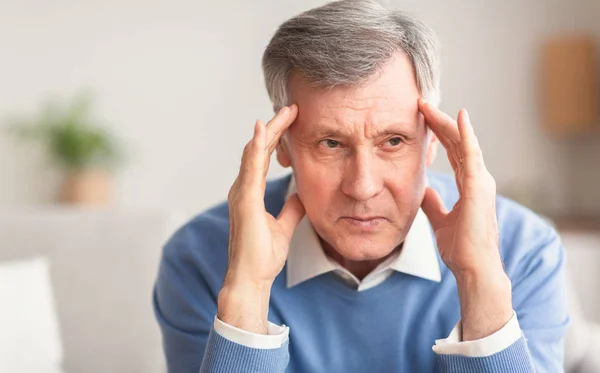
[(360, 269)]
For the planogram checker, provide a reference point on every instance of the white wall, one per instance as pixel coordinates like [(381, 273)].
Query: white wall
[(181, 82)]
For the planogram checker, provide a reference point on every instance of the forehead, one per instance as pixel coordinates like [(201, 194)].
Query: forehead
[(389, 96)]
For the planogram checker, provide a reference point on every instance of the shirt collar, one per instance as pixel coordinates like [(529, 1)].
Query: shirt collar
[(306, 258)]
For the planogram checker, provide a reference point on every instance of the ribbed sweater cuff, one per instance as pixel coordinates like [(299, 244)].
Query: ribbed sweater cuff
[(516, 358), (222, 355)]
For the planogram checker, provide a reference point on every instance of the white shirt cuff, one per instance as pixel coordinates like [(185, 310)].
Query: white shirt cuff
[(490, 345), (276, 338)]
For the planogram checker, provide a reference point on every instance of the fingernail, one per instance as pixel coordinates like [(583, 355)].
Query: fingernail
[(466, 115), (283, 109)]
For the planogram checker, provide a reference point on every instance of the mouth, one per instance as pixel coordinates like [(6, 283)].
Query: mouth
[(364, 222)]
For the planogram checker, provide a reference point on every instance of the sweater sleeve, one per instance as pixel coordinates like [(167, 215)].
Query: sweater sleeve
[(516, 358), (276, 337), (185, 305), (223, 355)]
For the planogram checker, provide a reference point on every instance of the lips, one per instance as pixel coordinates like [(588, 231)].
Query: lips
[(364, 222), (365, 218)]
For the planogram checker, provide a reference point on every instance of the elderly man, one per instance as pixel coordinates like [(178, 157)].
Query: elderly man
[(361, 260)]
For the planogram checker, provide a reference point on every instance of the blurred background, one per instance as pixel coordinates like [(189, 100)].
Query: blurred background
[(119, 120)]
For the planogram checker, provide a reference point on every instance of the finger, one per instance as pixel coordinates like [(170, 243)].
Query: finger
[(452, 153), (279, 124), (440, 123), (433, 206), (291, 214), (453, 157), (472, 155), (445, 129), (253, 161)]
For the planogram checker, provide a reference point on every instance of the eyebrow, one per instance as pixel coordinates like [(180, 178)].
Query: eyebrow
[(332, 130)]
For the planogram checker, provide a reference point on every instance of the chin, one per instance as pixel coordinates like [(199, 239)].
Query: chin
[(363, 248)]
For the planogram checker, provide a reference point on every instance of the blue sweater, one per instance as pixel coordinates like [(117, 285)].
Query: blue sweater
[(334, 328)]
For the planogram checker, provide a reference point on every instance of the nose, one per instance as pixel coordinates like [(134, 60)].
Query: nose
[(362, 180)]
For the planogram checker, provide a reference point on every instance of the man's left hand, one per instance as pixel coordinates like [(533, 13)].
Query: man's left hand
[(467, 236)]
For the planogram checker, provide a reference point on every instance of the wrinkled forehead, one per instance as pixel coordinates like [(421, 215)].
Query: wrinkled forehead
[(389, 97)]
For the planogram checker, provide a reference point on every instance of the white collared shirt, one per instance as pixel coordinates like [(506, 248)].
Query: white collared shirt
[(418, 257)]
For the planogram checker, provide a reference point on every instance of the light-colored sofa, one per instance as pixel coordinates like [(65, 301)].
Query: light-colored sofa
[(103, 264)]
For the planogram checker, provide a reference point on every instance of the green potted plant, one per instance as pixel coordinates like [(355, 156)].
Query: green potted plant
[(86, 151)]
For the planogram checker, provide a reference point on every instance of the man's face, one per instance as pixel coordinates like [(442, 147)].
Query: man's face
[(359, 156)]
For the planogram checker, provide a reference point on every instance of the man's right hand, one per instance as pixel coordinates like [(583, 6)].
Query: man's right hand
[(258, 242)]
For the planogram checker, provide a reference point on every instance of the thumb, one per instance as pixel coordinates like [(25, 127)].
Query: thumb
[(290, 215), (433, 207)]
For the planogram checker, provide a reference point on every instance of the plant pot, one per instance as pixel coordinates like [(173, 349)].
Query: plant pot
[(87, 188)]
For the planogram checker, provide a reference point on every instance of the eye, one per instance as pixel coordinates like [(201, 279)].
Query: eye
[(329, 143), (394, 141)]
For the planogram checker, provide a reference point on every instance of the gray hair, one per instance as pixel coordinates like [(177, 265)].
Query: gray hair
[(343, 43)]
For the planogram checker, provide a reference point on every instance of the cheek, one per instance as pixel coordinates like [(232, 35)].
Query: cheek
[(406, 178), (317, 182), (408, 189), (408, 161)]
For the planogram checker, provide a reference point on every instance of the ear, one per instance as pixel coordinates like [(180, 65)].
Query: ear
[(283, 153), (432, 145)]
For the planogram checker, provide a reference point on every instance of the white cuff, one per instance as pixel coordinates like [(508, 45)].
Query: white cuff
[(277, 336), (502, 339)]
